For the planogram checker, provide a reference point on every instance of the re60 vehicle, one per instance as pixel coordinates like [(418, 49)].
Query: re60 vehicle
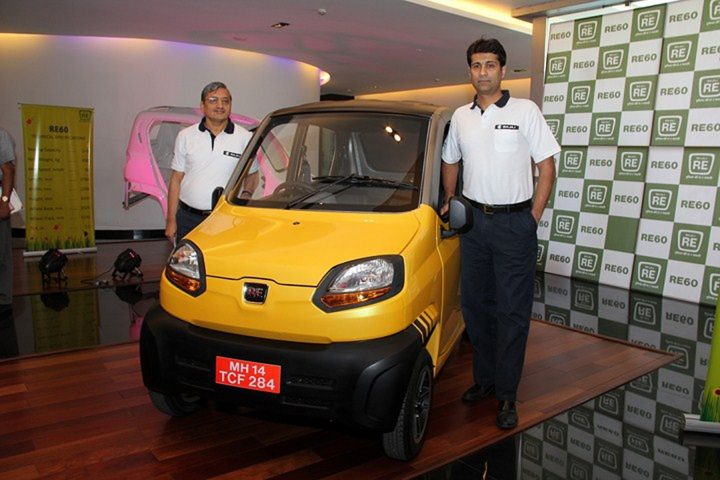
[(325, 286)]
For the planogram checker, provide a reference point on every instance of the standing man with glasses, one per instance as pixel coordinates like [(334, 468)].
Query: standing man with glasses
[(206, 154), (499, 138)]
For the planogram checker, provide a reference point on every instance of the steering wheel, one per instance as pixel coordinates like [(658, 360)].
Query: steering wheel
[(294, 189)]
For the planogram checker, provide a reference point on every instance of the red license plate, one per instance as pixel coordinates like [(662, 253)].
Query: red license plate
[(263, 377)]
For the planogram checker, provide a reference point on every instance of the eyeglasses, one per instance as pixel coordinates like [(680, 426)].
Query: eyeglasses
[(215, 100)]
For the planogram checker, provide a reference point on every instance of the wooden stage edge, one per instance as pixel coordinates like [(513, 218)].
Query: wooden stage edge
[(86, 414)]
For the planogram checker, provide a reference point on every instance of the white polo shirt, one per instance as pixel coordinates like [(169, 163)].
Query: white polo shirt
[(497, 147), (207, 163)]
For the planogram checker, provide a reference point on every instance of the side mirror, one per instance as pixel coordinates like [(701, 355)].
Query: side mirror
[(216, 194), (460, 217)]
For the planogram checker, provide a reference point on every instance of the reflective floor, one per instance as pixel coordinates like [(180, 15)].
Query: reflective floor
[(629, 433)]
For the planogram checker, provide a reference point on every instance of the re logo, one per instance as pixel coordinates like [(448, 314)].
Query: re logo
[(613, 59), (605, 127), (587, 262), (540, 252), (660, 199), (669, 125), (85, 115), (649, 272), (648, 21), (714, 10), (630, 162), (709, 87), (596, 194), (585, 299), (715, 284), (587, 30), (644, 312), (690, 241), (564, 224), (573, 159), (640, 91), (580, 95), (678, 52), (701, 164), (554, 124), (555, 435), (556, 318), (557, 66)]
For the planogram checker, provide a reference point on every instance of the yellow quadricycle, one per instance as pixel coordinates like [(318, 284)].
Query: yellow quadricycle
[(324, 283)]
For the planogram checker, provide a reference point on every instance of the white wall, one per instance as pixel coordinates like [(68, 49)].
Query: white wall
[(120, 77), (453, 96)]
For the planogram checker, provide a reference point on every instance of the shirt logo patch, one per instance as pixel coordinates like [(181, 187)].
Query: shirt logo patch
[(505, 126), (232, 154)]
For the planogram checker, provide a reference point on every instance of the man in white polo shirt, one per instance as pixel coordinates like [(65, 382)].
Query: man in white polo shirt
[(206, 154), (499, 139)]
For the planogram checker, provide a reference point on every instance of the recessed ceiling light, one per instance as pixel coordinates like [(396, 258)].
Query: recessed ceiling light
[(280, 25)]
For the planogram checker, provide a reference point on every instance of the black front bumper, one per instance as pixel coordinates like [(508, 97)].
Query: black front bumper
[(360, 383)]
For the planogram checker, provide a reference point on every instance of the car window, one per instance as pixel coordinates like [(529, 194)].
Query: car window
[(336, 161), (162, 141)]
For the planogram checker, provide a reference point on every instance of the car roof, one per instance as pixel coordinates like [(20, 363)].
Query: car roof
[(382, 106)]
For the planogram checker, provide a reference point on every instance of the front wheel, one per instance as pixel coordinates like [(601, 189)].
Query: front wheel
[(175, 405), (406, 440)]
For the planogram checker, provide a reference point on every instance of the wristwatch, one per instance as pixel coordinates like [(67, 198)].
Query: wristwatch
[(5, 198)]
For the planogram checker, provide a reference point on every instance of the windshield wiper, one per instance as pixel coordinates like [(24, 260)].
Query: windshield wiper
[(364, 180)]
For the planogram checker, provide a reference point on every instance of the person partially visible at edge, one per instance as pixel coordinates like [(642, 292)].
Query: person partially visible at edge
[(500, 139), (206, 154), (7, 180)]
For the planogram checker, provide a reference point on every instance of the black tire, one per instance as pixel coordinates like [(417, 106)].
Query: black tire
[(406, 440), (175, 405)]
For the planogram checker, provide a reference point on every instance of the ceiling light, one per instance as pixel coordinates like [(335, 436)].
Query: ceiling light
[(324, 77), (280, 25)]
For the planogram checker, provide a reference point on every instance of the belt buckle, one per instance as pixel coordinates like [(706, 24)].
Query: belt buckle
[(487, 209)]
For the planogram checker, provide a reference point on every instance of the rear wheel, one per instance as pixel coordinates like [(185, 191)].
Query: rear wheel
[(406, 440), (175, 405)]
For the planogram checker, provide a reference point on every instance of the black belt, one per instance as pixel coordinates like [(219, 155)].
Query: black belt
[(188, 208), (492, 209)]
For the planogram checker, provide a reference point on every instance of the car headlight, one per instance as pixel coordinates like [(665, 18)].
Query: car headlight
[(185, 268), (360, 282)]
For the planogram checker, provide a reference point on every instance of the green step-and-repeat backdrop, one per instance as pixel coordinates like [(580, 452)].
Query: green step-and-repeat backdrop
[(634, 100)]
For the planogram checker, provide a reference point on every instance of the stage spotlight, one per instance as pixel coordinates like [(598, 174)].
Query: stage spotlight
[(53, 262), (127, 263)]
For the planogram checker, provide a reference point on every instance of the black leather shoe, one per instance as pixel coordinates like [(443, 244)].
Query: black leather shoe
[(507, 417), (477, 393)]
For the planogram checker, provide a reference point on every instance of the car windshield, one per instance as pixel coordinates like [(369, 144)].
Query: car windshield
[(339, 161)]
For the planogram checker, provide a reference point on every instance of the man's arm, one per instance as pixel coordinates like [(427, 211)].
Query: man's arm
[(250, 184), (8, 182), (449, 181), (173, 199), (546, 178)]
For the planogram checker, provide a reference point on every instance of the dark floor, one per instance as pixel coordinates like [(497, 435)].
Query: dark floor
[(632, 432)]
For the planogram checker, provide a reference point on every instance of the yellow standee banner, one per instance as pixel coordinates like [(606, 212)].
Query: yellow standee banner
[(58, 178)]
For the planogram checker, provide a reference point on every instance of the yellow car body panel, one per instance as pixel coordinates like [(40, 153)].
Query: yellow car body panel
[(261, 247)]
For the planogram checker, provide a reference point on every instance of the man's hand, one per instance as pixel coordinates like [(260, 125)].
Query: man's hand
[(171, 229), (4, 210)]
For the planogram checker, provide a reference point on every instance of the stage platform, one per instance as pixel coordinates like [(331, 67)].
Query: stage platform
[(84, 270), (86, 414)]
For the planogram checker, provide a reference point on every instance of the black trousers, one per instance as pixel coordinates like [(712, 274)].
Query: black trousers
[(186, 221), (498, 258)]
